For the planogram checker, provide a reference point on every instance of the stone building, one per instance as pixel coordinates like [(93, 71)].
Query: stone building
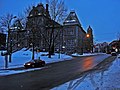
[(42, 31), (74, 35), (18, 37), (115, 46)]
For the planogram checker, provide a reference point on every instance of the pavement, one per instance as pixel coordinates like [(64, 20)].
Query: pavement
[(105, 76)]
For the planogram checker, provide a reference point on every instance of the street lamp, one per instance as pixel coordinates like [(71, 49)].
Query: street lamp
[(89, 42), (85, 43), (10, 52), (63, 47), (18, 45), (9, 41), (87, 35)]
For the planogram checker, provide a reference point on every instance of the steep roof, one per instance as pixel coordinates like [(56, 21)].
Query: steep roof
[(39, 10), (89, 28), (17, 24), (72, 19)]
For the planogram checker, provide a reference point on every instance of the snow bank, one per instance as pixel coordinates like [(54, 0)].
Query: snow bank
[(24, 55)]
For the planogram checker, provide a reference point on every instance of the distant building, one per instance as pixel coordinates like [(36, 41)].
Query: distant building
[(115, 46), (102, 47)]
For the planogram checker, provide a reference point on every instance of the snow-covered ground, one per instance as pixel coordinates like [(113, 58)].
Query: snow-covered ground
[(22, 56), (85, 54), (106, 79)]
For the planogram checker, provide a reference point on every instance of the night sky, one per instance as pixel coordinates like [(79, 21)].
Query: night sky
[(102, 15)]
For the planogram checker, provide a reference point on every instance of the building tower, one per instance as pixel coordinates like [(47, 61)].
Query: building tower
[(89, 39)]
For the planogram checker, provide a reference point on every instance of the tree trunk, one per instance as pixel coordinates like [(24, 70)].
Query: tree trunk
[(33, 45), (52, 49), (33, 52), (49, 52)]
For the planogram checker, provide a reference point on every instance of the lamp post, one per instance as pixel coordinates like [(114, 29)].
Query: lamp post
[(8, 43), (87, 42), (10, 52), (11, 41), (63, 47)]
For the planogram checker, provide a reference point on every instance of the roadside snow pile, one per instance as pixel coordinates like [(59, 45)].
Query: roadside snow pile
[(84, 54), (10, 72), (55, 58)]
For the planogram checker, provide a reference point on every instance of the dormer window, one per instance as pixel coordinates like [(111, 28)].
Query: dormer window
[(70, 20), (39, 14), (15, 27), (73, 14), (73, 20), (66, 21)]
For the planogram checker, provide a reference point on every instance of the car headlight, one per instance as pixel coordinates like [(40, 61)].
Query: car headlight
[(28, 64)]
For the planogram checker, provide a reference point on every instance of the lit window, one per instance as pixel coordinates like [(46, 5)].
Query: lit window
[(31, 15)]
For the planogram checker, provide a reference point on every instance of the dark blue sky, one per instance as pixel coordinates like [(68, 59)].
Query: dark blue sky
[(102, 15)]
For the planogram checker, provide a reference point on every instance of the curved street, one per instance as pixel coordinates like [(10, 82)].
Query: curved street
[(52, 75)]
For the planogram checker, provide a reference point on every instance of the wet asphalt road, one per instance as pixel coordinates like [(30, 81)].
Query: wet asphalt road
[(52, 75)]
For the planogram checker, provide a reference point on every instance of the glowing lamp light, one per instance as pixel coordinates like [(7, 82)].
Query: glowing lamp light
[(87, 35), (116, 50)]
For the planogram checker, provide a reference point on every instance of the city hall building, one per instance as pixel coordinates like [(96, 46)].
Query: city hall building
[(68, 38)]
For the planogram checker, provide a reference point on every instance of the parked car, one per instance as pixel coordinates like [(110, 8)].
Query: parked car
[(113, 53), (34, 63)]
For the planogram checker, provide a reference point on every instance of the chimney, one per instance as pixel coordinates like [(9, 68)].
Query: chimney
[(46, 7)]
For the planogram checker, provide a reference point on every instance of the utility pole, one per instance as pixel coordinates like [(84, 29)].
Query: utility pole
[(10, 52)]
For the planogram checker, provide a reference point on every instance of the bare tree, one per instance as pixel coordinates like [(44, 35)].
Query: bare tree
[(118, 35), (58, 13), (6, 22), (1, 29), (23, 16)]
